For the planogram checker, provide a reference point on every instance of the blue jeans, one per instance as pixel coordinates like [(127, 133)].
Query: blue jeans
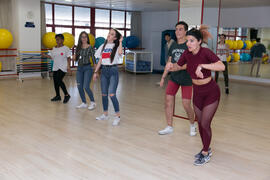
[(109, 82), (84, 76)]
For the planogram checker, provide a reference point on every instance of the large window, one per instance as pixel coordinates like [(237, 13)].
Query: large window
[(118, 19), (75, 19), (48, 10), (128, 20), (102, 18), (82, 16), (60, 30), (48, 29), (63, 15)]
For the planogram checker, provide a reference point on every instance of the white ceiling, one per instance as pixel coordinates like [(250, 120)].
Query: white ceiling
[(161, 5)]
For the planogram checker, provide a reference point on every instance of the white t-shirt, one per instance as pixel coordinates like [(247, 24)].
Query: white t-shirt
[(105, 56), (204, 45), (221, 52), (59, 57)]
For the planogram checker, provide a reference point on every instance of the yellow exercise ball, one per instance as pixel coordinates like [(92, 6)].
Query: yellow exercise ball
[(6, 39), (48, 40), (229, 58), (69, 40), (236, 57), (92, 39), (249, 44), (240, 44), (234, 44), (230, 43), (124, 60), (253, 42)]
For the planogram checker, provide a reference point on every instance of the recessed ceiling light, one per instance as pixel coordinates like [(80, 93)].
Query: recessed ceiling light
[(68, 0)]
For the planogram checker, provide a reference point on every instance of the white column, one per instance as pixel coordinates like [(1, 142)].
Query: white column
[(29, 39)]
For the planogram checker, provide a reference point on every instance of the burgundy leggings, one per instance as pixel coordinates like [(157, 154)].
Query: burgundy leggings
[(205, 102)]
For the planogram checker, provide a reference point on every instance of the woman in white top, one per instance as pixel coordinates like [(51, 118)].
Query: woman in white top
[(109, 55), (222, 53), (61, 64)]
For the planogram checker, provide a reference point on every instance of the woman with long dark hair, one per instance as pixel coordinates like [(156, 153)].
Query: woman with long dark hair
[(85, 58), (199, 62), (109, 55)]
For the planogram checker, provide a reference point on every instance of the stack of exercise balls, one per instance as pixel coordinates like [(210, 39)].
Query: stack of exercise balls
[(239, 45)]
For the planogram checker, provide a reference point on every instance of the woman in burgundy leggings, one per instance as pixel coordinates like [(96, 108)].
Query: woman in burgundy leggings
[(199, 62)]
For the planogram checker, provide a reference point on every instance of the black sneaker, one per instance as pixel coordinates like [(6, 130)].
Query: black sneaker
[(56, 98), (202, 160), (197, 156), (227, 90), (66, 99)]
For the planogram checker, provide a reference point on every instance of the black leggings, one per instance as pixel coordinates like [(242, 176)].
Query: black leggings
[(58, 82), (225, 74)]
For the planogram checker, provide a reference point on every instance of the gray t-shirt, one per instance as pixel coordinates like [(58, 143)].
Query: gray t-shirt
[(86, 56), (180, 77)]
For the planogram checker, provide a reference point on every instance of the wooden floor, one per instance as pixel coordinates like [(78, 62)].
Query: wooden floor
[(44, 140)]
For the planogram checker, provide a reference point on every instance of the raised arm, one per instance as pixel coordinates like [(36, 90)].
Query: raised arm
[(46, 56), (120, 48)]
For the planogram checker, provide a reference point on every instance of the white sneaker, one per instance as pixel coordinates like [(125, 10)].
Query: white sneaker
[(192, 130), (116, 121), (92, 106), (102, 117), (83, 105), (167, 130)]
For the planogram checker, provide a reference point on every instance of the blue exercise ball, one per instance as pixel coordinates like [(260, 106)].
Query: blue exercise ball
[(124, 42), (248, 57), (245, 45), (132, 42), (242, 57), (99, 41)]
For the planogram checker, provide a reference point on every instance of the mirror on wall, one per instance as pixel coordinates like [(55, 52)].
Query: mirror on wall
[(242, 29), (210, 19), (240, 42)]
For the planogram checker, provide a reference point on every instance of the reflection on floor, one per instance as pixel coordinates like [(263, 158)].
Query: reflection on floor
[(244, 70)]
